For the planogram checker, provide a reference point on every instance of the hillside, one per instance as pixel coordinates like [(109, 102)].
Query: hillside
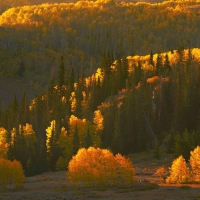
[(33, 38), (129, 105), (9, 87)]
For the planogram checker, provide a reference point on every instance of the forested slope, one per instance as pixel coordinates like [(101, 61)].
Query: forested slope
[(32, 38), (128, 105)]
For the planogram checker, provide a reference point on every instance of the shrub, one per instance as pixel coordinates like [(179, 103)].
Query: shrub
[(179, 172), (11, 174), (195, 163), (95, 167), (161, 172)]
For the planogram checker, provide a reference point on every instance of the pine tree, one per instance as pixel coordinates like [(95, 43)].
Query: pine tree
[(61, 75), (88, 140), (23, 113), (151, 58), (117, 144), (158, 65), (22, 69), (76, 142), (167, 66), (71, 81)]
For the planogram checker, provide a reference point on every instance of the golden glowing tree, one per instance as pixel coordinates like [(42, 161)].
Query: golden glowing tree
[(98, 120), (125, 170), (96, 167), (195, 163), (11, 174), (83, 126), (49, 133), (179, 172), (3, 145)]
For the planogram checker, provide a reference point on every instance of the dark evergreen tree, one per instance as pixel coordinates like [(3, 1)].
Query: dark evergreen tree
[(61, 75), (117, 143), (88, 140), (76, 141), (151, 58), (167, 66), (22, 69), (158, 65), (71, 81), (24, 110)]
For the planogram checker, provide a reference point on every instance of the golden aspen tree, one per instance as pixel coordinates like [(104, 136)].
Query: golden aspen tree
[(98, 120), (83, 126), (195, 163), (16, 174), (49, 132), (179, 172), (3, 145), (125, 170), (97, 167), (11, 174)]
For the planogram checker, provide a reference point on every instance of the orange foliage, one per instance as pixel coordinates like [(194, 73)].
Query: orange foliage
[(179, 172), (100, 167), (153, 79), (195, 163), (98, 120), (3, 146)]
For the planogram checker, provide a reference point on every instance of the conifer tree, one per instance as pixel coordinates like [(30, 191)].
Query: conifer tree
[(23, 113), (76, 142), (88, 140), (71, 81), (151, 58), (167, 66), (158, 64), (117, 143), (61, 75)]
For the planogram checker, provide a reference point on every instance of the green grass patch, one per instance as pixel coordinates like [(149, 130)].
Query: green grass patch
[(184, 187), (100, 188), (151, 186), (79, 193), (97, 196), (139, 187), (125, 190)]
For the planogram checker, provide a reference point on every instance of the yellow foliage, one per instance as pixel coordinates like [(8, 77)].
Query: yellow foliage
[(83, 126), (3, 146), (49, 131), (179, 172), (125, 170), (195, 163), (94, 167), (11, 174), (98, 120)]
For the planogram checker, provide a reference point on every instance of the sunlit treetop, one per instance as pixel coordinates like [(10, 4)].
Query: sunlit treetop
[(98, 120), (2, 135)]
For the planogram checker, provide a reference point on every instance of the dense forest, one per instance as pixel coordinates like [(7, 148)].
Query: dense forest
[(96, 90), (33, 38)]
